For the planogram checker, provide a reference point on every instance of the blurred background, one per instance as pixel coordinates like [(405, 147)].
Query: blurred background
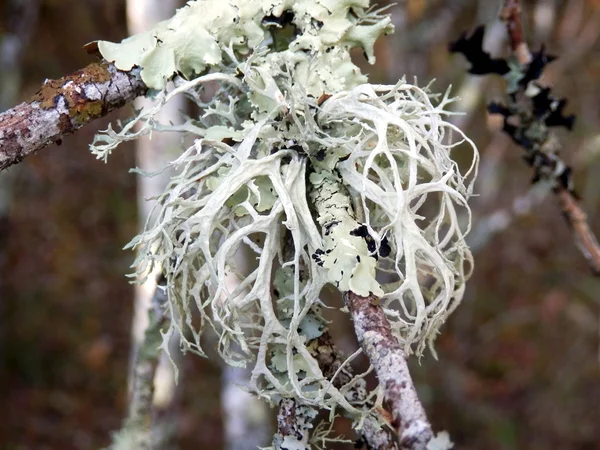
[(519, 361)]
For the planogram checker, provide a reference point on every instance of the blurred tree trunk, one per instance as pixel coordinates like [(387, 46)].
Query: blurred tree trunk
[(240, 410), (152, 154)]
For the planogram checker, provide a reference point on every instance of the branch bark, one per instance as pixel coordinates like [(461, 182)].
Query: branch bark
[(137, 429), (373, 330), (294, 423), (583, 236), (387, 357), (62, 106), (511, 16)]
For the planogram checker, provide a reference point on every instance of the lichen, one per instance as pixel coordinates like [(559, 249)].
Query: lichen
[(202, 34), (293, 131)]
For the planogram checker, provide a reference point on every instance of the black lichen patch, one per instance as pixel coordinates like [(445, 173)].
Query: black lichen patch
[(481, 61), (330, 226), (282, 29), (535, 68), (384, 248), (286, 18), (530, 110), (363, 232), (318, 257)]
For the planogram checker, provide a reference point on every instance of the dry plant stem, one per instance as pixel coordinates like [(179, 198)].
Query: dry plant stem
[(139, 418), (511, 15), (584, 237), (387, 357), (62, 106), (577, 219)]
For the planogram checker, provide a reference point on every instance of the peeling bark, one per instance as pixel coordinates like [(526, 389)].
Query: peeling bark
[(62, 106)]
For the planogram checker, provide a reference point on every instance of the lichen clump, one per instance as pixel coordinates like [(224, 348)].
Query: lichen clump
[(301, 173)]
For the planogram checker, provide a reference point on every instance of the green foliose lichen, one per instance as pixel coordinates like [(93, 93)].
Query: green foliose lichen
[(204, 34)]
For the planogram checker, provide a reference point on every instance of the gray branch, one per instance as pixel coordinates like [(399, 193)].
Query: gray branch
[(137, 429), (333, 205), (62, 106), (387, 357)]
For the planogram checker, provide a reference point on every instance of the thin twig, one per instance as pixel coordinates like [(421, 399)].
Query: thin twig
[(584, 237), (577, 219), (387, 357), (137, 429), (511, 15), (374, 332)]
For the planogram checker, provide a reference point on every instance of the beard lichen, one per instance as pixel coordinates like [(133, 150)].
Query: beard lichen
[(363, 186)]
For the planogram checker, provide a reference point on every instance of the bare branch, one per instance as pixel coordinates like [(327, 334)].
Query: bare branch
[(62, 106), (387, 357), (511, 16), (584, 237)]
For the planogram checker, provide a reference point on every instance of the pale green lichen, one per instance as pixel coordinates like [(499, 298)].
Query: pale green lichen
[(202, 33), (346, 257), (379, 161)]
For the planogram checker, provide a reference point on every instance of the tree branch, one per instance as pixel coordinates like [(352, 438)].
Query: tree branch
[(387, 357), (294, 422), (137, 429), (373, 330), (62, 106), (584, 237), (577, 219), (511, 16)]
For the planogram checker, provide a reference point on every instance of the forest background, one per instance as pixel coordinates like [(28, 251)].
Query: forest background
[(519, 361)]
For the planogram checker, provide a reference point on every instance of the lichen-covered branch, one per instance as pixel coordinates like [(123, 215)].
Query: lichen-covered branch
[(385, 354), (294, 422), (372, 328), (62, 106), (137, 429), (334, 367), (529, 112), (585, 239)]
